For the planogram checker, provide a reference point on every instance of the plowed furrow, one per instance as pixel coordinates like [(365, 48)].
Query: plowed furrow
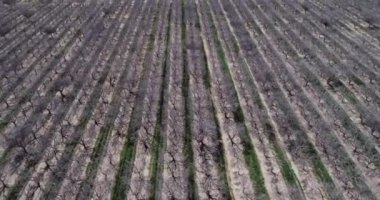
[(335, 40), (271, 95), (210, 175), (333, 58), (23, 15), (340, 113), (157, 148), (359, 26), (173, 182), (92, 119), (34, 139), (53, 69), (71, 122), (260, 123), (32, 106), (124, 172), (11, 45), (139, 186), (358, 79), (339, 91), (290, 90), (54, 85), (189, 99), (26, 48), (26, 61), (349, 31), (242, 83), (227, 112)]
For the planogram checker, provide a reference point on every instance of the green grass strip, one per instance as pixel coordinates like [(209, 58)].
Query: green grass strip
[(188, 150), (221, 158), (120, 188), (157, 142), (249, 153)]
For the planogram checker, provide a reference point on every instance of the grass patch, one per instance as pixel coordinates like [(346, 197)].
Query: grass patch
[(99, 147), (321, 171), (351, 97), (285, 167), (357, 81), (206, 75), (119, 190), (238, 115), (155, 147), (222, 58), (286, 170), (318, 166), (253, 163)]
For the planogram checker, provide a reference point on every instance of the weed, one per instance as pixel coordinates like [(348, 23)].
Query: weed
[(357, 81), (238, 115)]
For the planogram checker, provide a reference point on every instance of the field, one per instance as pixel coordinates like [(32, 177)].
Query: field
[(190, 99)]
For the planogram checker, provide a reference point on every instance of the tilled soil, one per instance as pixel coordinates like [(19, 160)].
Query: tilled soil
[(189, 99)]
